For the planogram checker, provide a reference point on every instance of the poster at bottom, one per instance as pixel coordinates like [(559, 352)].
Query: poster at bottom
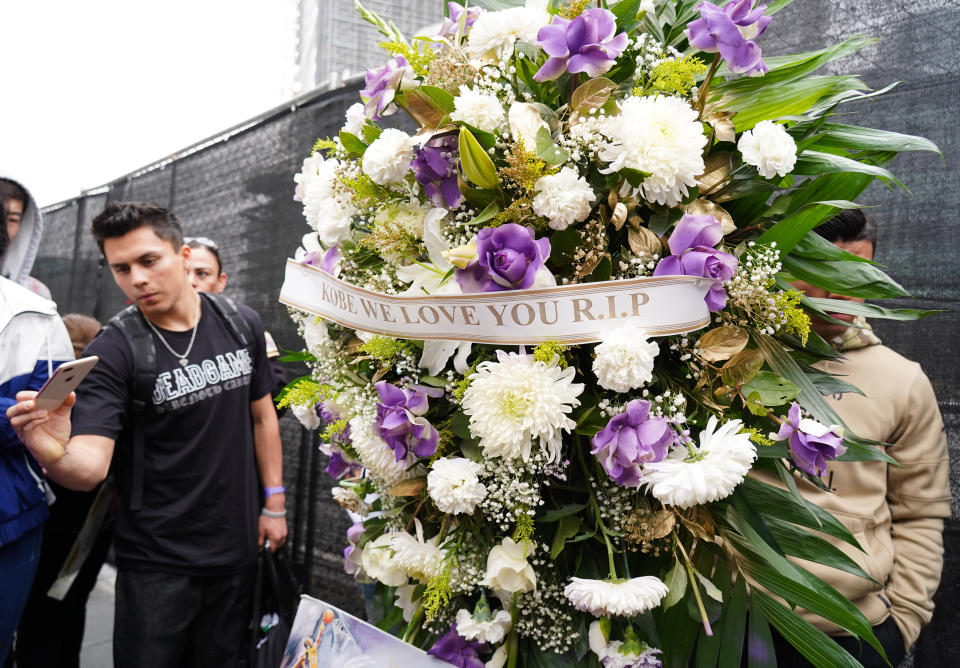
[(323, 635)]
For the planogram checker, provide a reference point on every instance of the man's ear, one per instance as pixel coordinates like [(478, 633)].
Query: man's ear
[(223, 280)]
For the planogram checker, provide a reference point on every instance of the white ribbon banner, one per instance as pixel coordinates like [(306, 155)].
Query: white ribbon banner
[(568, 314)]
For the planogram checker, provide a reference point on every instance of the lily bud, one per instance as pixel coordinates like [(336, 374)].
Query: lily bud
[(461, 256)]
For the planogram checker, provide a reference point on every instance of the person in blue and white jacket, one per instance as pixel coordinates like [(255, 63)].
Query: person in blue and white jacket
[(33, 342)]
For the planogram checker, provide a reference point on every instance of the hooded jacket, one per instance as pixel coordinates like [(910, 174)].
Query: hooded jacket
[(17, 261), (33, 341)]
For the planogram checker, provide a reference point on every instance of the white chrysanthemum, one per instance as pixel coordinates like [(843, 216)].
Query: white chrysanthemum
[(493, 34), (454, 485), (516, 400), (769, 148), (421, 560), (492, 631), (660, 136), (624, 359), (564, 198), (711, 473), (602, 598), (307, 415), (479, 109), (374, 453), (354, 119), (387, 160), (378, 562)]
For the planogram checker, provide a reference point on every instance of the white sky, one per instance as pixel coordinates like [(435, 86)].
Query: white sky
[(92, 90)]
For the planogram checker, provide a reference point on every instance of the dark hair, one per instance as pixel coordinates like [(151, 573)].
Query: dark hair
[(849, 225), (208, 244), (119, 218), (13, 190), (3, 231)]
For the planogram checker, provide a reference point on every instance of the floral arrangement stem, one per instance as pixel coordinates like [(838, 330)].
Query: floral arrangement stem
[(691, 576), (705, 86)]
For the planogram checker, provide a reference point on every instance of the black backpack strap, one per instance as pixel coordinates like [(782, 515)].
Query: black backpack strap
[(238, 326), (131, 324)]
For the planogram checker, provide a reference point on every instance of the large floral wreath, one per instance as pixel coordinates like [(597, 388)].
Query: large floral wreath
[(562, 505)]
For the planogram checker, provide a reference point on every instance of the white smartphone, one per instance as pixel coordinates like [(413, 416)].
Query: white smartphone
[(63, 381)]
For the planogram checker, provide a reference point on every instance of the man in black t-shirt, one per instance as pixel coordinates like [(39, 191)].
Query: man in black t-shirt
[(186, 540)]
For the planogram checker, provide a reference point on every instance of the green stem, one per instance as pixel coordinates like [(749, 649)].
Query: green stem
[(705, 86), (414, 624), (513, 642), (693, 585)]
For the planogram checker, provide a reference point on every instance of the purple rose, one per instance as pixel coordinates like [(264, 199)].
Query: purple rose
[(630, 440), (811, 443), (584, 44), (434, 166), (382, 86), (399, 421), (508, 258), (730, 31), (692, 254), (449, 27), (457, 650)]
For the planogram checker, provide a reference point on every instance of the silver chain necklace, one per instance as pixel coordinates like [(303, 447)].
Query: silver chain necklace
[(180, 358)]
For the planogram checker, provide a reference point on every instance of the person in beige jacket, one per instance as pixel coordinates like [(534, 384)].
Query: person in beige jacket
[(895, 512)]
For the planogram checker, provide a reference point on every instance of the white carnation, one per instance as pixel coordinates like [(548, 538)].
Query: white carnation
[(602, 598), (660, 136), (326, 211), (387, 160), (493, 34), (769, 148), (375, 455), (454, 485), (709, 473), (420, 559), (517, 400), (481, 110), (354, 119), (378, 562), (307, 415), (564, 198), (491, 631), (624, 359)]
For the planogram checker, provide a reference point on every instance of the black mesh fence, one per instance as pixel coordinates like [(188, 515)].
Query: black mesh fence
[(238, 190)]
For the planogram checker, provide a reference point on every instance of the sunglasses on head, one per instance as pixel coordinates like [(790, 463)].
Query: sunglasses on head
[(206, 242)]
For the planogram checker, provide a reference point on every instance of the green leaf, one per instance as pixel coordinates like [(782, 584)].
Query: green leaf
[(295, 356), (477, 197), (814, 247), (772, 389), (866, 310), (477, 165), (755, 405), (491, 210), (735, 613), (810, 641), (441, 98), (547, 151), (760, 650), (562, 511), (854, 279), (790, 98), (676, 581), (806, 545), (869, 139), (740, 368), (352, 143), (568, 527), (815, 162), (460, 425), (633, 176), (796, 510), (710, 588), (371, 132), (626, 12), (433, 381), (592, 94)]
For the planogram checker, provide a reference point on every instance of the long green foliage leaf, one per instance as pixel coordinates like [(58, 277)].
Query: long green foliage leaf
[(817, 162), (805, 545), (813, 643), (854, 279), (822, 306), (855, 138), (794, 510)]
